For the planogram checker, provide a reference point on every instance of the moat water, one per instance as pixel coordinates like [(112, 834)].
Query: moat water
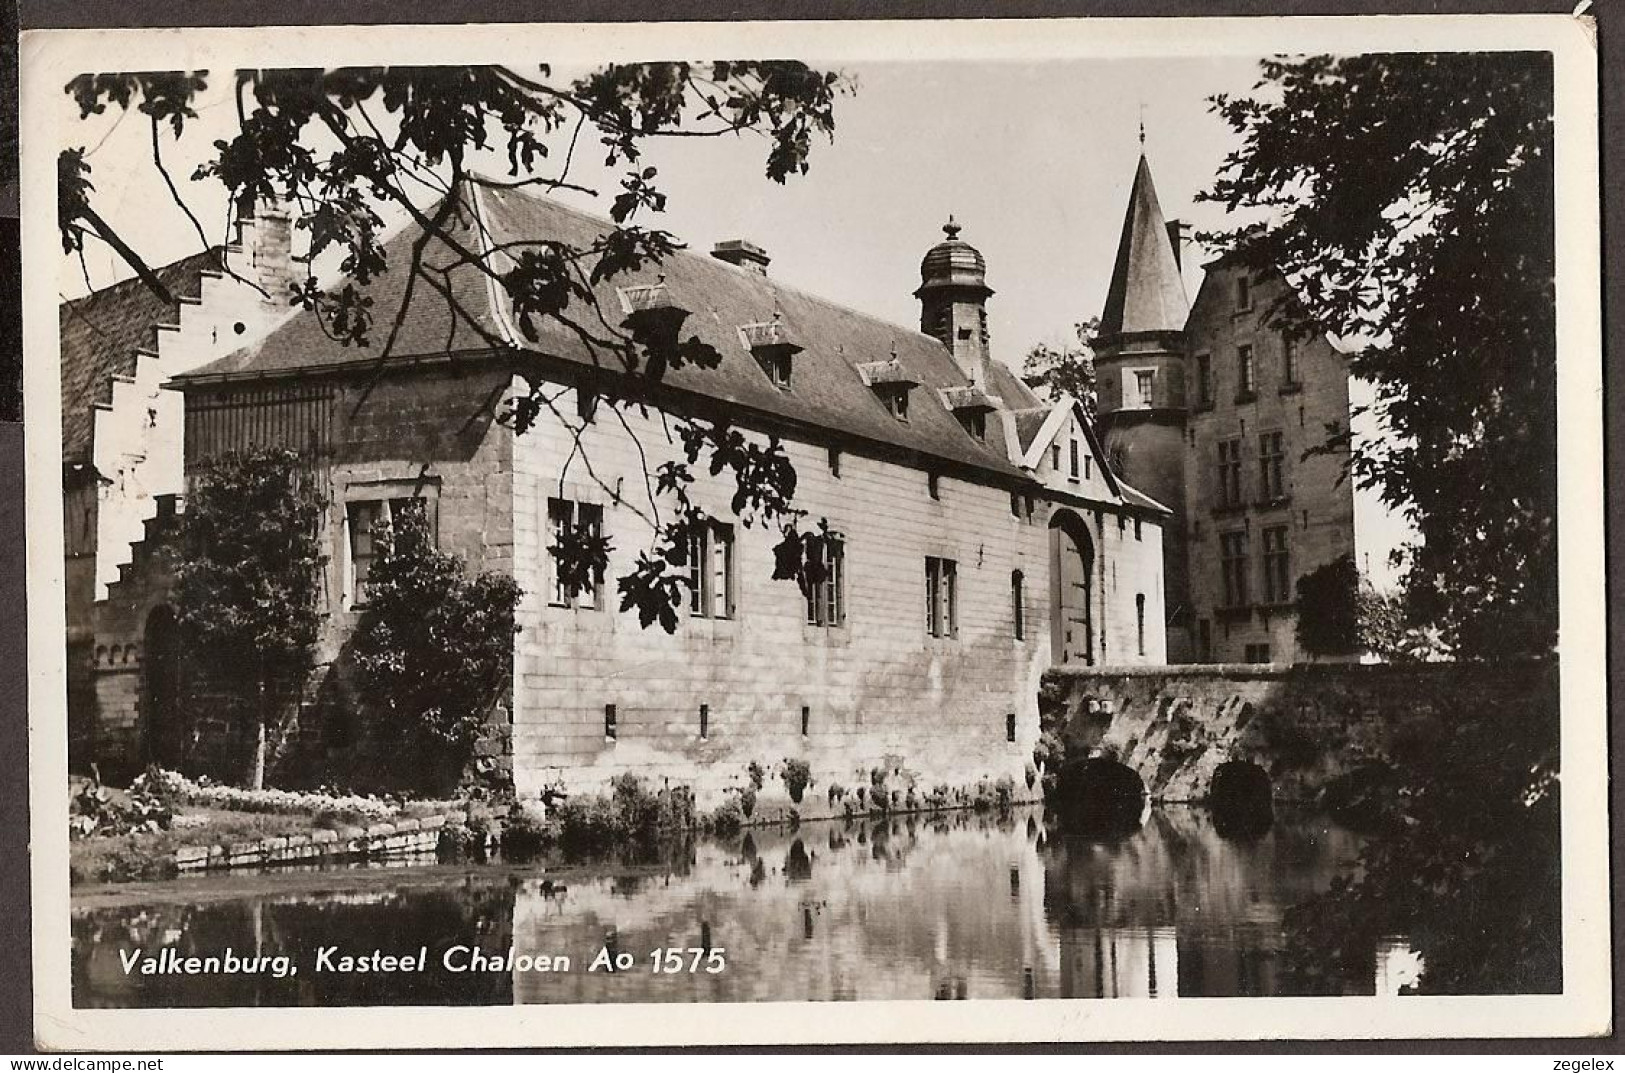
[(948, 906)]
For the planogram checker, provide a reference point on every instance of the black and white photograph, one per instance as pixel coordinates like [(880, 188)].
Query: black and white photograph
[(1064, 518)]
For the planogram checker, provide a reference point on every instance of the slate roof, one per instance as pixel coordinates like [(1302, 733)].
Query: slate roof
[(1147, 293), (101, 333), (827, 391)]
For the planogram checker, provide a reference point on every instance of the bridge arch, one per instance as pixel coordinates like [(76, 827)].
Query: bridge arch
[(1241, 798), (1072, 571), (1100, 795)]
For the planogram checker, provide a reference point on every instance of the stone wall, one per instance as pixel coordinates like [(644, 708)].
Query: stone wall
[(877, 690), (1305, 725)]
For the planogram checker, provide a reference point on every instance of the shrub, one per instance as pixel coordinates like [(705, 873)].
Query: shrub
[(747, 801), (757, 775), (1004, 792), (726, 820), (95, 810), (434, 646), (629, 813), (797, 777), (527, 832), (836, 793)]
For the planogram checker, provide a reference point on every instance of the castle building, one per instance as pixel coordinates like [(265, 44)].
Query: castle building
[(981, 536), (1223, 418)]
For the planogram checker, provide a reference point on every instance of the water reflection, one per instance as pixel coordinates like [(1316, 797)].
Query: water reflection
[(951, 906)]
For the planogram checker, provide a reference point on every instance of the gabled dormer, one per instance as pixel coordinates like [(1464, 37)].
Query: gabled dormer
[(653, 315), (890, 382), (774, 347), (970, 405)]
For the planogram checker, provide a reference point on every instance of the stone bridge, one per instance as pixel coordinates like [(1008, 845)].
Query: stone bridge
[(1303, 726)]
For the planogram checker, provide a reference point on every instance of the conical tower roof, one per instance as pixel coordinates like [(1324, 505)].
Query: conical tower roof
[(1147, 293)]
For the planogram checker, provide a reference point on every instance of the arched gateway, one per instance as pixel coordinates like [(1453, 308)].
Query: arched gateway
[(1072, 565)]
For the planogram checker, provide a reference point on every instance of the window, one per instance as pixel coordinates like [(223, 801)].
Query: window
[(1055, 457), (826, 598), (941, 597), (586, 405), (1145, 381), (1233, 563), (571, 523), (711, 571), (1010, 726), (896, 401), (1018, 603), (1073, 444), (1277, 566), (806, 719), (1139, 621), (775, 362), (835, 461), (370, 518), (1244, 292), (1229, 473), (975, 423), (1136, 529), (610, 725), (933, 485), (1204, 380), (705, 721), (1258, 653), (1289, 361), (1246, 384), (1271, 467)]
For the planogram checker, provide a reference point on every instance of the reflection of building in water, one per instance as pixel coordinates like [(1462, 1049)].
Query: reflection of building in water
[(950, 907), (1176, 909), (1119, 963)]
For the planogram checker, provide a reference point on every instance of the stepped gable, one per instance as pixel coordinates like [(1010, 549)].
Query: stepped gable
[(827, 392), (1147, 292), (101, 333)]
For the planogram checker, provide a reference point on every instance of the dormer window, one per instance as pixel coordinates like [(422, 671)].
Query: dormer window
[(970, 406), (652, 315), (774, 349), (891, 384)]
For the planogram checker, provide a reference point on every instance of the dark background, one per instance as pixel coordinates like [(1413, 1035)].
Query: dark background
[(16, 1013)]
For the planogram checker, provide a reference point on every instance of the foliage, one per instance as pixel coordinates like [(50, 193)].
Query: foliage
[(726, 820), (630, 813), (1474, 879), (1389, 632), (247, 583), (98, 811), (337, 148), (1329, 608), (434, 646), (1065, 370), (1409, 199), (797, 777)]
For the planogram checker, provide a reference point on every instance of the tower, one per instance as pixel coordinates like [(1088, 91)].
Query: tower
[(953, 296), (1140, 383)]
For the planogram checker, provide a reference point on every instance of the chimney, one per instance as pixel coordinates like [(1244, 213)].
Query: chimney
[(742, 254), (266, 239), (1176, 238)]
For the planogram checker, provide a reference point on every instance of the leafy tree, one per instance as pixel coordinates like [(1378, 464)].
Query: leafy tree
[(335, 147), (1065, 370), (248, 580), (434, 647), (1409, 198), (1329, 608), (1469, 869)]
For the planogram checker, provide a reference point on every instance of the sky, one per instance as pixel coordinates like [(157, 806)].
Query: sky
[(1033, 159)]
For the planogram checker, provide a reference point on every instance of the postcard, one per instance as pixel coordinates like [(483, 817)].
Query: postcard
[(792, 533)]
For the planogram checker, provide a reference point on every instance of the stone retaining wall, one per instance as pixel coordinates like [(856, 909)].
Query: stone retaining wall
[(394, 839)]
